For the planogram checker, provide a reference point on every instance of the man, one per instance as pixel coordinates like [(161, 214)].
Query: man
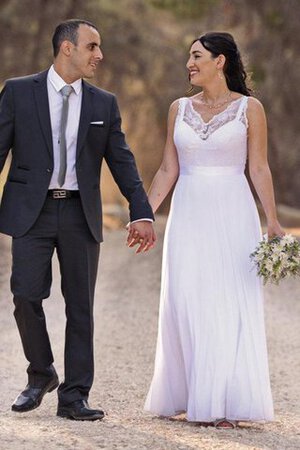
[(60, 128)]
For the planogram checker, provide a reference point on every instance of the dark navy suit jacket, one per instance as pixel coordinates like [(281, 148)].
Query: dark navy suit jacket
[(25, 128)]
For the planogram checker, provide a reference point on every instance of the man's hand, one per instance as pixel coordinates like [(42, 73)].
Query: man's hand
[(141, 233)]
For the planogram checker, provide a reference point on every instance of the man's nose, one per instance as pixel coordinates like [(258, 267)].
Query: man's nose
[(99, 54)]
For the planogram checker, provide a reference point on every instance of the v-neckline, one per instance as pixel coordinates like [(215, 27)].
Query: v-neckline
[(215, 115)]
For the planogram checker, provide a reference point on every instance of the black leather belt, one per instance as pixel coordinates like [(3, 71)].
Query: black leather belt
[(62, 193)]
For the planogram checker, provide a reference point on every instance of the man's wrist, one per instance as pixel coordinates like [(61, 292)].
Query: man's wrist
[(146, 219)]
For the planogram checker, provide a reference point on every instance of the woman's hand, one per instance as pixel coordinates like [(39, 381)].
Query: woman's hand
[(275, 229)]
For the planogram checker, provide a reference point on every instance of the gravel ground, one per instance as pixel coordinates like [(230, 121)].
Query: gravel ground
[(126, 310)]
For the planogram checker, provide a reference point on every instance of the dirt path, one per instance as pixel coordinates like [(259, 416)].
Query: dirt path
[(125, 333)]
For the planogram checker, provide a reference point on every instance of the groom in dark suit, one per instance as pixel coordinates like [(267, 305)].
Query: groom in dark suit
[(59, 129)]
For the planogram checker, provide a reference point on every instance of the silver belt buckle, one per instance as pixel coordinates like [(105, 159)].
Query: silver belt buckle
[(60, 193)]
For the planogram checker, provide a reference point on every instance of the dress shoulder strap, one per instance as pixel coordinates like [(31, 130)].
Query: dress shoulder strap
[(181, 107), (242, 107)]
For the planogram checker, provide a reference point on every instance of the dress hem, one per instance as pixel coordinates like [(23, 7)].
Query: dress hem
[(209, 420)]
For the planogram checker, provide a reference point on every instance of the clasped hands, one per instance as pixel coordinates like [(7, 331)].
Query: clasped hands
[(141, 233)]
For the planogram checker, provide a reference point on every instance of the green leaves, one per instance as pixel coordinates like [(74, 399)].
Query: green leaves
[(277, 258)]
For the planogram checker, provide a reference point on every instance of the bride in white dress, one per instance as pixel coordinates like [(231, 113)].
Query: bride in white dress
[(211, 358)]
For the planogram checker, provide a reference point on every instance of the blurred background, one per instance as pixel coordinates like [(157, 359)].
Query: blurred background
[(145, 46)]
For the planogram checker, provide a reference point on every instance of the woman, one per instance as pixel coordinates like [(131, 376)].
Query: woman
[(211, 359)]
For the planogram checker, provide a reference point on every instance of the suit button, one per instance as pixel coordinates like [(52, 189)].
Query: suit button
[(49, 170)]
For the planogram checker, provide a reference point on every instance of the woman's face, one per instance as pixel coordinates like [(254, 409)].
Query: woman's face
[(202, 67)]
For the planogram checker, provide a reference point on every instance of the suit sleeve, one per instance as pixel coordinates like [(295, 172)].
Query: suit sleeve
[(122, 165), (6, 123)]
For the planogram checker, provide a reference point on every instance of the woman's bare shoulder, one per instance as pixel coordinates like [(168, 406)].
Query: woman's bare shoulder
[(255, 111), (254, 105)]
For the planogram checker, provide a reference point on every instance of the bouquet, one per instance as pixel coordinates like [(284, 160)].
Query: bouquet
[(277, 258)]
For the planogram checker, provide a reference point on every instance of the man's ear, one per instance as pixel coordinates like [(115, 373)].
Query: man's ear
[(66, 47)]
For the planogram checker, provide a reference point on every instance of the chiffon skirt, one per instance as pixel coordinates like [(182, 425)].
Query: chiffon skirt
[(211, 357)]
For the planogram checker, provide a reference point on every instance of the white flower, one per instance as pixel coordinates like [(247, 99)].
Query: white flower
[(288, 239), (269, 265), (277, 258)]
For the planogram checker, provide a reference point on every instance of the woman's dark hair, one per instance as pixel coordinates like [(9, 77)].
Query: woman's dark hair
[(218, 43), (68, 31)]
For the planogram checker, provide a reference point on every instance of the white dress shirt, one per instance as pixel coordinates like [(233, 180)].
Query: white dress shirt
[(54, 84)]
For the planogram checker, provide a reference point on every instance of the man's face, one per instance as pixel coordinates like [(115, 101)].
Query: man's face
[(85, 56)]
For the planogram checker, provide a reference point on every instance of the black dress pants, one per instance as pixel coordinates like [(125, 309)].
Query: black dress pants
[(61, 226)]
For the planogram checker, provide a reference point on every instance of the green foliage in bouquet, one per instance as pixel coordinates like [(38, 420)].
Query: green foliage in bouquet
[(277, 258)]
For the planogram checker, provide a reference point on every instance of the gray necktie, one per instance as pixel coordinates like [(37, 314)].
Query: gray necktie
[(65, 92)]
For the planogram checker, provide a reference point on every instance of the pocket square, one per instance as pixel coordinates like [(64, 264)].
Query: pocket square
[(100, 123)]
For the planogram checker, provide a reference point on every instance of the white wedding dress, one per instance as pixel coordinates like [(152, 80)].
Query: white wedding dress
[(211, 358)]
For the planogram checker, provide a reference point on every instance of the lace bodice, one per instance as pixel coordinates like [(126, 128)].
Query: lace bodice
[(222, 141)]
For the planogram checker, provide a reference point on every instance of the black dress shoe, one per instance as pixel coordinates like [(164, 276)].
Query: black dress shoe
[(32, 396), (79, 410)]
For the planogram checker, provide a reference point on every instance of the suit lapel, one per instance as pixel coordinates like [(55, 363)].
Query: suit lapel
[(42, 104), (85, 116)]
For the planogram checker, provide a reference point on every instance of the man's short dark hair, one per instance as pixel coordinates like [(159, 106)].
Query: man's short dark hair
[(68, 31)]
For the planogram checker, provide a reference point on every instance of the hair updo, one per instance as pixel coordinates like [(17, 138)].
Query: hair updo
[(218, 43)]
